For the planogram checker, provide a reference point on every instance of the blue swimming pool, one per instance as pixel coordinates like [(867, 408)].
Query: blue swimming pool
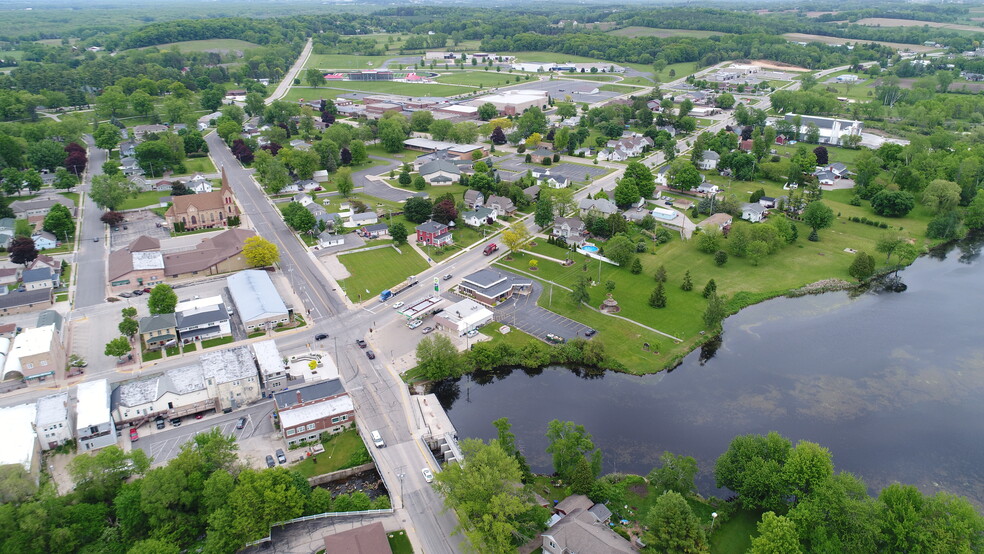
[(589, 248)]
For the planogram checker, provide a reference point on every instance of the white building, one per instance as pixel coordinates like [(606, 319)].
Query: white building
[(271, 364), (20, 443), (831, 130), (94, 427), (202, 318), (256, 299), (464, 316), (54, 423)]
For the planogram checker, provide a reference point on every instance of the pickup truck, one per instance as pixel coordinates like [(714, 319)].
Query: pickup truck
[(490, 249)]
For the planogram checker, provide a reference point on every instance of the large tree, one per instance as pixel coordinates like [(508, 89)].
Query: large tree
[(59, 222), (437, 357), (818, 215), (45, 154), (941, 195), (893, 203), (753, 467), (118, 347), (110, 191), (260, 252), (776, 535), (162, 299), (392, 134), (417, 209), (22, 250), (675, 473), (673, 527), (516, 236), (569, 442)]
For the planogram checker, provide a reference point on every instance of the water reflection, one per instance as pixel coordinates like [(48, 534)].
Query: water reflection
[(889, 382)]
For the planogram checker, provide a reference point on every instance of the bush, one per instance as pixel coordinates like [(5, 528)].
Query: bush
[(520, 149), (546, 161), (529, 158), (720, 258)]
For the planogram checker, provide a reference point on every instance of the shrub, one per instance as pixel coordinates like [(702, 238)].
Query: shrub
[(720, 258)]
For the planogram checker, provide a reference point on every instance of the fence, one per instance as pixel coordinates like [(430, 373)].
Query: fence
[(340, 474)]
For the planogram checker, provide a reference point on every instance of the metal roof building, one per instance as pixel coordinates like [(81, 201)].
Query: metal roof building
[(256, 298)]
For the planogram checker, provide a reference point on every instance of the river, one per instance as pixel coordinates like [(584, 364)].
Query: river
[(890, 382)]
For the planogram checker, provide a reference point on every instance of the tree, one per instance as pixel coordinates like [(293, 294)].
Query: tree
[(658, 297), (660, 274), (97, 476), (346, 156), (709, 289), (626, 193), (343, 182), (162, 299), (298, 217), (822, 156), (304, 163), (22, 250), (45, 154), (563, 200), (32, 180), (445, 211), (516, 236), (110, 191), (974, 216), (579, 292), (708, 241), (487, 111), (358, 150), (675, 473), (532, 121), (818, 215), (421, 120), (418, 182), (437, 358), (498, 136), (111, 102), (944, 226), (687, 284), (64, 179), (544, 214), (128, 327), (642, 177), (941, 195), (507, 440), (392, 134), (569, 442), (757, 249), (620, 250), (777, 535), (893, 203), (636, 267), (715, 312), (683, 176), (673, 527), (118, 347), (112, 218), (59, 222), (808, 466), (16, 484), (399, 233), (417, 209), (314, 77), (254, 104), (725, 101), (752, 467), (862, 267), (260, 252)]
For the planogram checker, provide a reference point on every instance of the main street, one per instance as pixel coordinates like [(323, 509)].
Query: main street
[(90, 272)]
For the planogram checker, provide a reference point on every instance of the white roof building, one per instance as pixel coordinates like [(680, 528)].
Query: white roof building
[(53, 423), (30, 342), (317, 410), (94, 421), (256, 298), (20, 443), (461, 317)]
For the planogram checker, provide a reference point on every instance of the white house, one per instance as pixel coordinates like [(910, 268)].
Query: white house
[(44, 240), (545, 178), (706, 188), (94, 427), (54, 423), (479, 217), (752, 212), (662, 175), (709, 160), (20, 443)]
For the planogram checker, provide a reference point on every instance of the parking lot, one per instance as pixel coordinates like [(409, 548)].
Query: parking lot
[(138, 222), (560, 89), (523, 313)]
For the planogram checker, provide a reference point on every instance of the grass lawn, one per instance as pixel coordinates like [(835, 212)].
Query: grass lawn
[(514, 337), (399, 542), (477, 78), (345, 61), (680, 70), (199, 165), (73, 196), (62, 297), (209, 343), (206, 45), (142, 200), (194, 232), (189, 347), (621, 89), (255, 334), (151, 355), (735, 535), (405, 156), (377, 270), (172, 351), (342, 451)]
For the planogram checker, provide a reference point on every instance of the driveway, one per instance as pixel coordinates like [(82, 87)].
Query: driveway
[(523, 313), (377, 188)]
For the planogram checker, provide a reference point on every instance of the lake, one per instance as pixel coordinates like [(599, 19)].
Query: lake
[(890, 382)]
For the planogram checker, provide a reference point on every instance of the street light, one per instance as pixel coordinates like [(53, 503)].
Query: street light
[(714, 516)]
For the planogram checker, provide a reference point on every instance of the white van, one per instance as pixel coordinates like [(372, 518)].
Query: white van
[(377, 439)]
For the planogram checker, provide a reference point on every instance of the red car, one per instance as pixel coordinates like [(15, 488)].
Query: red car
[(133, 434)]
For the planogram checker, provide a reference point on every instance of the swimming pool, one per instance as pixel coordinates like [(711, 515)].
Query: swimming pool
[(589, 248)]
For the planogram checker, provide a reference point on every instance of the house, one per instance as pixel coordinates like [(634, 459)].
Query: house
[(571, 503), (708, 189), (44, 240), (479, 217), (8, 276), (157, 331), (832, 130), (302, 198), (709, 160), (201, 318), (35, 209), (139, 263), (40, 278), (307, 412), (206, 121), (746, 145), (203, 211), (597, 207), (6, 231), (367, 539), (532, 193), (825, 176), (490, 286), (719, 221), (54, 423), (767, 202), (553, 181), (128, 149), (222, 253), (571, 229), (374, 231), (257, 300), (35, 353), (540, 154), (839, 170), (141, 131), (200, 186), (94, 425), (433, 233), (130, 166), (20, 302), (474, 199), (781, 139), (365, 218), (580, 531), (440, 173), (662, 174), (752, 212), (628, 147), (501, 205), (273, 372), (328, 238), (463, 316), (20, 442)]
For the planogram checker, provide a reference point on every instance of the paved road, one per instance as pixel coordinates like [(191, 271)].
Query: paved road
[(90, 286), (288, 79), (376, 188)]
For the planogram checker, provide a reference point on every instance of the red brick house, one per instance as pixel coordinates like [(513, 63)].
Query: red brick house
[(434, 234), (307, 412)]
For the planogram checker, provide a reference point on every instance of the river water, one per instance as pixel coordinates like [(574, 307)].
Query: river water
[(890, 382)]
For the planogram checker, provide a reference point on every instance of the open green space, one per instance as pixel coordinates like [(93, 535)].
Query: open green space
[(594, 77), (405, 156), (151, 355), (209, 45), (399, 542), (514, 338), (377, 270), (679, 70), (199, 165), (73, 196), (345, 61), (209, 343), (376, 87), (477, 78), (736, 534), (61, 297), (635, 32), (621, 89), (190, 347), (342, 451)]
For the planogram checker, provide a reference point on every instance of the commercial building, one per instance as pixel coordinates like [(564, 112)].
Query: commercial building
[(459, 151), (272, 371), (832, 130), (36, 354), (308, 411), (257, 300), (21, 302), (202, 318), (222, 253), (464, 316), (515, 102), (140, 263), (54, 423), (20, 443), (490, 286), (94, 426)]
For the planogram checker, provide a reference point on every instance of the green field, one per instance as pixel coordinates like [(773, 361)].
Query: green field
[(143, 199), (199, 165), (345, 61), (681, 70), (477, 78), (399, 542), (735, 535), (635, 32), (621, 89), (376, 87), (377, 270), (215, 44), (342, 451)]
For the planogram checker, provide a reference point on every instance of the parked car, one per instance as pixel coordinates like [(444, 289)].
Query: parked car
[(590, 333), (370, 355), (126, 295), (199, 416), (147, 290), (280, 456), (321, 336), (270, 462), (361, 343), (472, 333), (137, 292), (398, 305), (160, 423), (95, 239), (176, 422), (133, 434), (241, 423), (555, 339), (426, 330), (414, 323), (428, 475)]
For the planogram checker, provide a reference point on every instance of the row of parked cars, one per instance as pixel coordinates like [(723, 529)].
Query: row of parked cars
[(136, 292)]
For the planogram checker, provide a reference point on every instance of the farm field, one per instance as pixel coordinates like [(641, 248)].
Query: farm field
[(634, 32), (890, 22), (210, 45), (803, 37)]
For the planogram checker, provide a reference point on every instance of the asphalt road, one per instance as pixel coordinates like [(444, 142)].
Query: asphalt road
[(90, 286), (288, 79)]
